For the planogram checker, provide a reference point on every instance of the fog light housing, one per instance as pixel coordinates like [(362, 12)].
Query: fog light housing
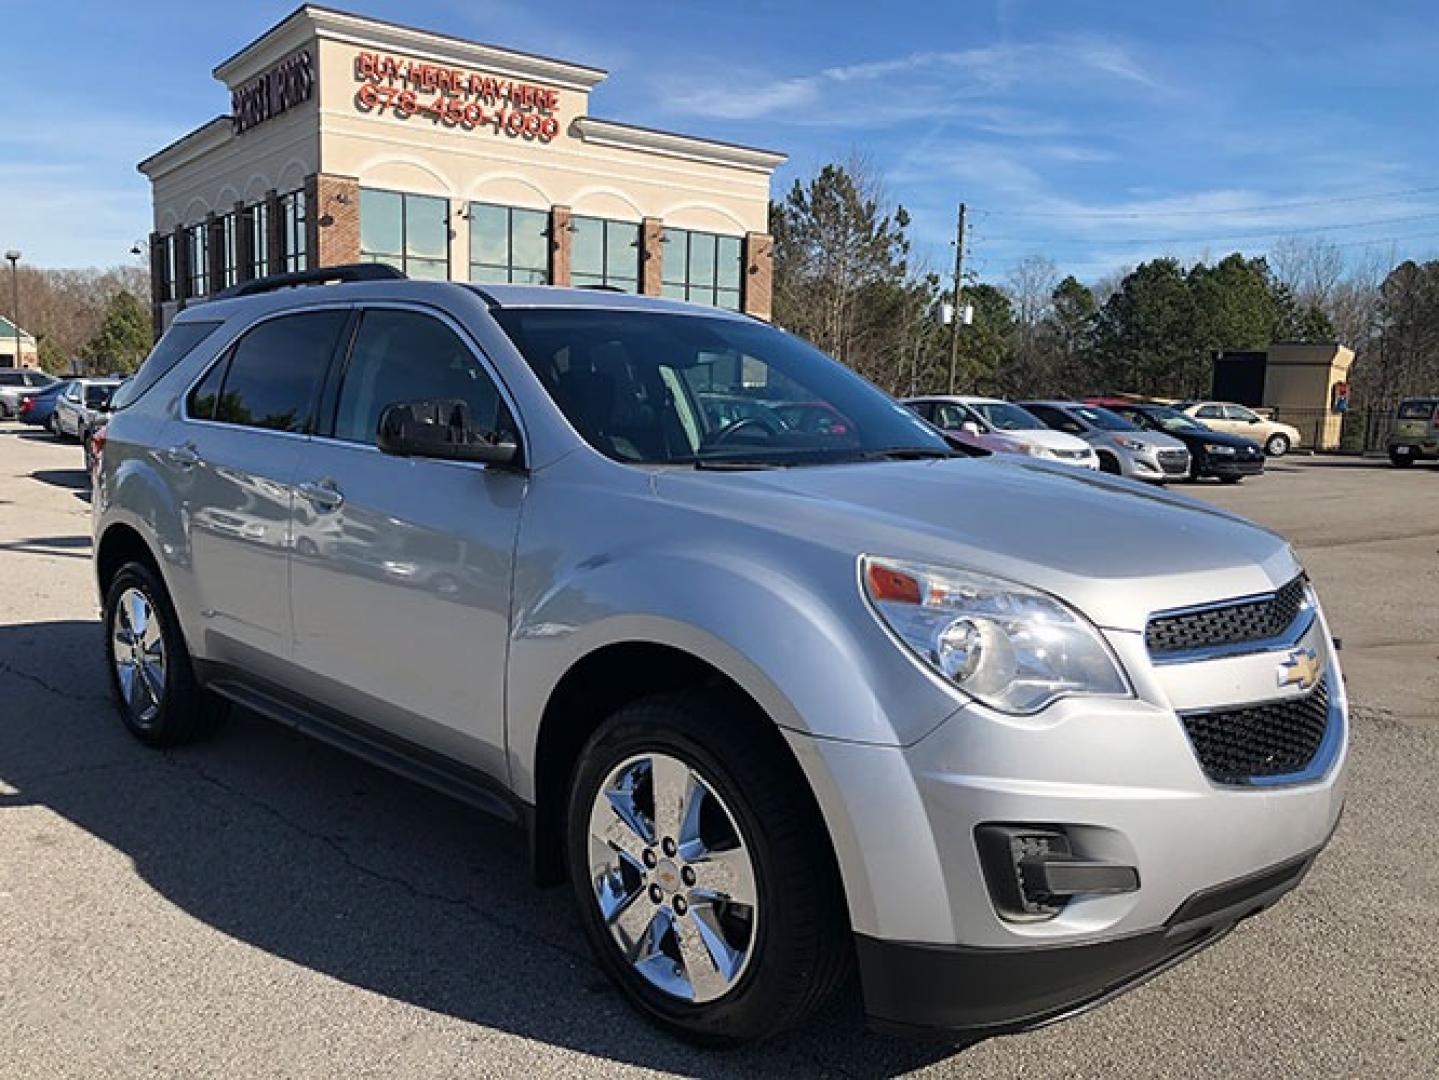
[(1032, 871)]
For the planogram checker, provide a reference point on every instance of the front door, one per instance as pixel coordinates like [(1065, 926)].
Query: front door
[(400, 578), (1212, 417), (231, 456)]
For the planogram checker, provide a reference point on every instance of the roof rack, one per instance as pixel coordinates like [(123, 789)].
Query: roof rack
[(325, 275)]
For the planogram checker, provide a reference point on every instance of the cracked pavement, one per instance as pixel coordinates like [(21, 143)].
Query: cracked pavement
[(263, 906)]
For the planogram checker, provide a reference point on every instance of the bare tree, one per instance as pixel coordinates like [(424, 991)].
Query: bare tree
[(1312, 267)]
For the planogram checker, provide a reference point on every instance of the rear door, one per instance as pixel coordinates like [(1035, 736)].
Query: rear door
[(232, 457), (401, 571)]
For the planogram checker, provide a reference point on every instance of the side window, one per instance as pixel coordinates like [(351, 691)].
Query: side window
[(923, 409), (1057, 419), (950, 417), (202, 399), (1209, 412), (276, 369), (402, 356), (1235, 412)]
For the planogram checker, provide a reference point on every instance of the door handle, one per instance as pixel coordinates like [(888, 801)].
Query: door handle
[(184, 456), (322, 495)]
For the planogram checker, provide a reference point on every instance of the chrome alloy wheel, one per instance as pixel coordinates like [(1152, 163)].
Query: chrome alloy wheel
[(673, 878), (138, 649)]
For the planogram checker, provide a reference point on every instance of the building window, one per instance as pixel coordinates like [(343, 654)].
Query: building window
[(198, 238), (259, 216), (169, 285), (509, 245), (702, 267), (604, 252), (229, 251), (410, 232), (292, 229)]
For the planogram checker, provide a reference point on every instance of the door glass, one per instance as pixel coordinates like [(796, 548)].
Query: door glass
[(402, 356), (201, 403), (1210, 412), (275, 371), (1244, 416)]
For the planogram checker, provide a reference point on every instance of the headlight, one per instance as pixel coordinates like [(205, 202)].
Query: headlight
[(1129, 444), (1219, 451), (1013, 648)]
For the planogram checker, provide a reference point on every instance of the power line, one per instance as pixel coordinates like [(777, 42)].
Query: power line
[(1336, 200), (1209, 238)]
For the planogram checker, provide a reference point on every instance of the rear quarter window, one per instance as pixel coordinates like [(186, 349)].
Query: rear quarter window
[(1417, 410), (176, 344)]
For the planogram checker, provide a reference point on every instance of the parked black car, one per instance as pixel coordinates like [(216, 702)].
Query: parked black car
[(1230, 458)]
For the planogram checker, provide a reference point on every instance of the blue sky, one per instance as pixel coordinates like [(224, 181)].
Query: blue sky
[(1097, 133)]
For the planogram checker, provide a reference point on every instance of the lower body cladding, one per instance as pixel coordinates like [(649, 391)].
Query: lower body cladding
[(1005, 872)]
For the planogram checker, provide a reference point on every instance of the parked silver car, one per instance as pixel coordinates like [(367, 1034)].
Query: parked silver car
[(80, 407), (1006, 736), (1124, 449), (16, 384)]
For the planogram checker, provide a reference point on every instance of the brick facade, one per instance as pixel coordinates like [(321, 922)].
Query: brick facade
[(652, 256), (244, 244), (757, 288), (332, 220), (559, 245), (274, 234)]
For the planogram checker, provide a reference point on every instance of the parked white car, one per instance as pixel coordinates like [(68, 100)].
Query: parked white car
[(1023, 426)]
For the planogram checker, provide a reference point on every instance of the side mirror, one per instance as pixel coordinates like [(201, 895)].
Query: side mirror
[(441, 428), (969, 427)]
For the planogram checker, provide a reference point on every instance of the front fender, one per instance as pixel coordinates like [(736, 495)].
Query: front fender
[(791, 629)]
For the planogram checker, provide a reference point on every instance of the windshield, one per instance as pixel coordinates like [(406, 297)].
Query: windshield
[(1103, 419), (1172, 419), (1006, 416), (1416, 410), (662, 388)]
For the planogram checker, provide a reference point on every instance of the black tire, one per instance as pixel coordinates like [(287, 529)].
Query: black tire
[(801, 951), (1401, 461), (53, 424), (1230, 479), (1110, 464), (186, 712), (1277, 445)]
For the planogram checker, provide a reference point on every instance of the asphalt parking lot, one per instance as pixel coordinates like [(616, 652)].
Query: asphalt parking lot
[(263, 906)]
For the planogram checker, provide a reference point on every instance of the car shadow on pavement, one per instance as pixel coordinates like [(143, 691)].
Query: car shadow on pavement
[(69, 547), (326, 862), (76, 480)]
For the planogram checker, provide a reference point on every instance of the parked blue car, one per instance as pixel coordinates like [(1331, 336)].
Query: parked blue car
[(37, 408)]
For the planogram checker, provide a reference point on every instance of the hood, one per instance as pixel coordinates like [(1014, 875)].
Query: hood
[(1050, 440), (1155, 440), (1221, 438), (1116, 550)]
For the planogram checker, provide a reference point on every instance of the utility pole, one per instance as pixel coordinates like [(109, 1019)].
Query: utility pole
[(958, 298), (14, 257)]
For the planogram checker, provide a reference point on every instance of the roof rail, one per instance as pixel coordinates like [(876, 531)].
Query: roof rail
[(323, 276)]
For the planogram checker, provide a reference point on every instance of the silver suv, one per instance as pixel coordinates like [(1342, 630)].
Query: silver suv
[(780, 704)]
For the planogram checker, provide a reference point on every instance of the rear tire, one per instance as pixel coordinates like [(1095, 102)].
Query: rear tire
[(1401, 461), (151, 674), (785, 914), (1277, 445)]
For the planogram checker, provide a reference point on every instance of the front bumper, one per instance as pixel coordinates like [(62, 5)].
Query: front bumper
[(1213, 466), (936, 991), (1121, 778)]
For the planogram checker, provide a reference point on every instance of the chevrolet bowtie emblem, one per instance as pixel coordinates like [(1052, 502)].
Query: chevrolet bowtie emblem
[(1300, 668)]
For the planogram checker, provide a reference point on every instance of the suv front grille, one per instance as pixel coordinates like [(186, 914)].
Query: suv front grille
[(1258, 619), (1278, 738)]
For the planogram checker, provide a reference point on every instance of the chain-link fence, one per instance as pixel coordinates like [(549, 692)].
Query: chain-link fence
[(1356, 431)]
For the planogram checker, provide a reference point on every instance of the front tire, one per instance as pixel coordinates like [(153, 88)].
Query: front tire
[(151, 675), (1277, 445), (702, 872), (1400, 461)]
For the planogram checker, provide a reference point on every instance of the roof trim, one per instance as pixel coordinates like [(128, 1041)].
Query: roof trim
[(206, 137), (598, 132), (284, 36)]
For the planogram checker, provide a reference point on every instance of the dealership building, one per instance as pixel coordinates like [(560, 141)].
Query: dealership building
[(355, 140)]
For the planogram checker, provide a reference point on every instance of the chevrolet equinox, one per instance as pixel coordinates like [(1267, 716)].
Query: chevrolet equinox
[(783, 702)]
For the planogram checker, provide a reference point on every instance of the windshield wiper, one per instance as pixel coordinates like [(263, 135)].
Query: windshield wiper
[(900, 453), (737, 464)]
